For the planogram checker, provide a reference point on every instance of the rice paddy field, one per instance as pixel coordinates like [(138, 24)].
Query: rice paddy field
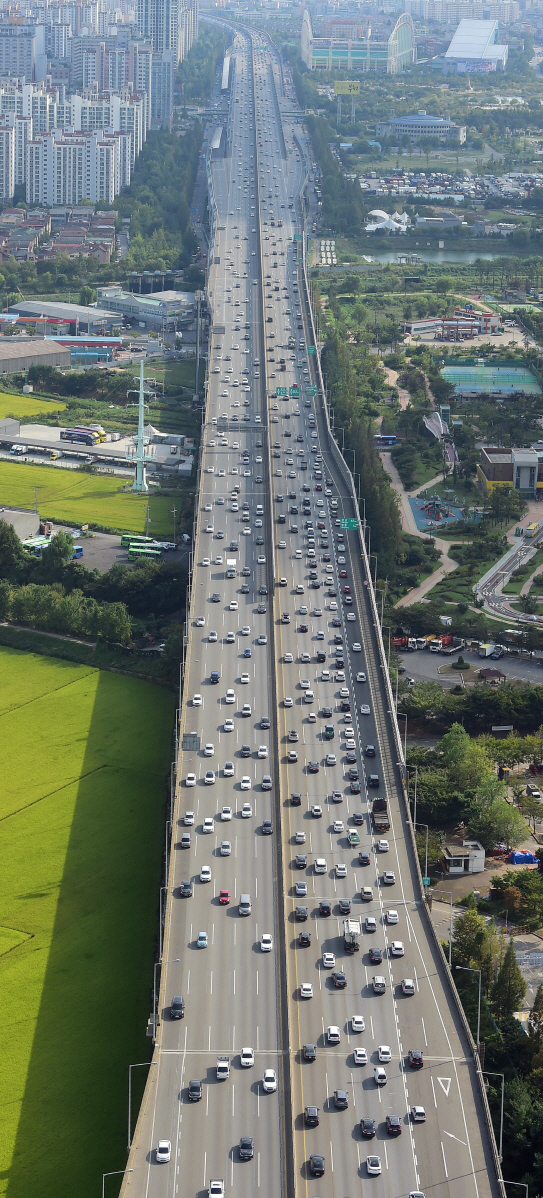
[(85, 758), (24, 406), (68, 496)]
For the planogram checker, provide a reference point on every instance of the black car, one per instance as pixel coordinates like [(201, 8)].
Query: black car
[(267, 827), (350, 757), (245, 588), (309, 1052), (358, 817), (261, 609), (315, 584), (304, 939), (373, 779), (245, 750), (346, 706), (300, 861), (338, 978), (296, 798), (336, 622), (177, 1009), (367, 1128), (316, 1165), (262, 590), (311, 1116), (345, 906), (246, 1148), (185, 889), (341, 1100), (281, 519), (321, 656), (195, 1090), (414, 1057), (355, 788), (363, 857), (301, 914), (340, 663), (325, 907), (369, 751), (302, 628), (338, 640), (331, 592), (353, 774), (376, 955), (313, 767), (326, 712), (394, 1125), (265, 721), (293, 509)]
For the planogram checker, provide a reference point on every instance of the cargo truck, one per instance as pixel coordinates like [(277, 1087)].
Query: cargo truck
[(223, 1068), (230, 567), (404, 643), (379, 810), (486, 650), (424, 641), (351, 935)]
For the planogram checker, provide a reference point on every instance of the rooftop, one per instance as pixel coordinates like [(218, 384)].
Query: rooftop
[(473, 39)]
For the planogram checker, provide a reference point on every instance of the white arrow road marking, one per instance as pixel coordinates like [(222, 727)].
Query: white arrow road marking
[(445, 1083), (449, 1133)]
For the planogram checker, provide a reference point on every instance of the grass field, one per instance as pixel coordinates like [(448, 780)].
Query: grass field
[(85, 764), (25, 406), (78, 498)]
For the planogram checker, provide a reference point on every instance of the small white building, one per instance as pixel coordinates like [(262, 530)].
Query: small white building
[(467, 858)]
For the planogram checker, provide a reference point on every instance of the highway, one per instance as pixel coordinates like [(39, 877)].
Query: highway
[(271, 497)]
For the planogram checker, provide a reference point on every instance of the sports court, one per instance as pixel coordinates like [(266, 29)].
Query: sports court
[(491, 378)]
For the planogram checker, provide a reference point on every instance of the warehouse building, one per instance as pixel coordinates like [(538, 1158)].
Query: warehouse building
[(360, 53), (474, 49), (74, 318), (156, 310), (19, 354)]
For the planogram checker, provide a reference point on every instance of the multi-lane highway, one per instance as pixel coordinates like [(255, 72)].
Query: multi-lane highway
[(285, 717)]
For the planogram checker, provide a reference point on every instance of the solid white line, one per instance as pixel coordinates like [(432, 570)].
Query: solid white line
[(444, 1161)]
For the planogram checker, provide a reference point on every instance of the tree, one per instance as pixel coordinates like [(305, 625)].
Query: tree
[(468, 938), (443, 285), (535, 1021), (509, 988), (115, 624), (454, 745), (12, 554), (87, 296), (497, 823), (55, 556)]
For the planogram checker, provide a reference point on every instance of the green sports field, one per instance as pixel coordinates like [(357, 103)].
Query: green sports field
[(85, 758), (25, 406), (67, 495)]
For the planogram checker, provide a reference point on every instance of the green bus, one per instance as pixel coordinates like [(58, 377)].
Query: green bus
[(145, 551), (132, 538)]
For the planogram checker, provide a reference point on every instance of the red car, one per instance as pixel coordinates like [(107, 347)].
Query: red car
[(318, 487), (224, 897), (346, 590), (321, 524), (343, 574)]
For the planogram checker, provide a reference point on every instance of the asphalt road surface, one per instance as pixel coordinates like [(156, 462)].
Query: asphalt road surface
[(236, 994)]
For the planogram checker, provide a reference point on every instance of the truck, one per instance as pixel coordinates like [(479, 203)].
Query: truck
[(440, 643), (457, 643), (404, 643), (486, 650), (351, 935), (379, 810), (18, 450), (223, 1068), (424, 641), (216, 1188), (230, 567)]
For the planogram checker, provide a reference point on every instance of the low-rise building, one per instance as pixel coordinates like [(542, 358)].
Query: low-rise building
[(518, 468), (474, 48), (421, 125), (75, 318), (157, 310), (492, 677), (467, 858)]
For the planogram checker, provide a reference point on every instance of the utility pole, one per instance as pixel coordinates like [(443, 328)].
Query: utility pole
[(147, 519), (140, 479), (174, 513)]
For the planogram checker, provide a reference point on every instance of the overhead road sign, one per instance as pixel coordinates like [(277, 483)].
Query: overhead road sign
[(345, 522), (347, 87)]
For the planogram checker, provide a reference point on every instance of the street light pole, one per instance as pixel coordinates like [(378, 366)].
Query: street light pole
[(486, 1072), (172, 961), (404, 714), (468, 969), (426, 861), (114, 1174), (515, 1183), (138, 1065), (416, 769)]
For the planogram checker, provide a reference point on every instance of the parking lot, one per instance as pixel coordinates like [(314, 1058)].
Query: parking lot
[(424, 666)]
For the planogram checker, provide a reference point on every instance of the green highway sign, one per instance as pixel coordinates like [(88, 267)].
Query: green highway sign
[(280, 391), (311, 390), (347, 523), (297, 236), (426, 881), (311, 349), (294, 390)]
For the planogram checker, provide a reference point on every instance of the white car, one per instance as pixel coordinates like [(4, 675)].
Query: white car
[(205, 874), (188, 819), (383, 846), (246, 631), (246, 810), (338, 826), (299, 838), (287, 701), (209, 779), (208, 825), (212, 638), (269, 1083), (384, 1054), (230, 638), (230, 696), (209, 750), (226, 812), (333, 1035), (233, 606), (262, 639), (380, 1076), (199, 621), (357, 1023), (226, 848), (244, 679), (246, 785), (305, 683), (351, 615), (328, 960), (360, 1056), (190, 780), (262, 751), (397, 948), (360, 677), (373, 1165), (418, 1114), (306, 990), (163, 1151), (266, 942), (288, 658), (392, 916), (205, 561), (357, 647), (365, 709), (341, 871), (228, 726), (247, 1057)]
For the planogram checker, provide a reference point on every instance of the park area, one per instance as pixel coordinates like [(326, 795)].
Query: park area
[(74, 497), (85, 769)]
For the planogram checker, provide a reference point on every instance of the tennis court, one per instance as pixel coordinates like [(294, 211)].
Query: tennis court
[(491, 378)]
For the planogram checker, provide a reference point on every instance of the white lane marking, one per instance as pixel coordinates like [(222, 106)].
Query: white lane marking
[(424, 1033), (445, 1083), (331, 1156), (433, 1090), (451, 1137), (386, 1153), (444, 1161)]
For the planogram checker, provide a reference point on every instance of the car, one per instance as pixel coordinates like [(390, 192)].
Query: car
[(205, 874), (309, 1052), (418, 1114), (209, 780), (373, 780), (364, 857), (306, 990), (266, 783), (301, 913), (188, 819), (389, 877), (230, 638), (244, 679), (373, 1165), (379, 1076), (383, 846), (190, 780), (316, 811), (209, 750), (337, 796), (197, 700), (330, 759), (230, 696), (195, 1090), (313, 767), (311, 1116), (328, 960), (375, 955), (393, 1125), (228, 726), (345, 906), (233, 605), (246, 630), (199, 621), (341, 1100), (360, 677), (292, 755), (408, 986), (163, 1151), (300, 861), (246, 1148), (226, 848), (360, 1056), (316, 1165), (177, 1009), (325, 907), (370, 923), (300, 889), (202, 940), (287, 701), (224, 897), (226, 812), (357, 1023), (265, 722), (311, 718), (246, 709), (414, 1057), (269, 1081), (247, 1057), (185, 889), (367, 1128), (338, 979), (338, 826), (384, 1053), (341, 871), (397, 948)]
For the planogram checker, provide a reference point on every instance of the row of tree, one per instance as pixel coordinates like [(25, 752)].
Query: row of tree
[(50, 610)]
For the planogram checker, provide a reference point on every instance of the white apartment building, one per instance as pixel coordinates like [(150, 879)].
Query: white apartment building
[(7, 159), (66, 167), (44, 109)]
